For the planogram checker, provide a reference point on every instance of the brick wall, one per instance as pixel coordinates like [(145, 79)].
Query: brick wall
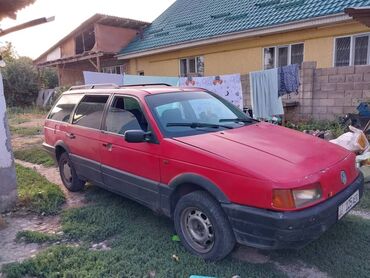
[(325, 93)]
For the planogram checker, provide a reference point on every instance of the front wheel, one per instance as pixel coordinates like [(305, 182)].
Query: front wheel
[(203, 226), (68, 174)]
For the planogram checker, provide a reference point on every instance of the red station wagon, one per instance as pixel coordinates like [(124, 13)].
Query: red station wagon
[(191, 155)]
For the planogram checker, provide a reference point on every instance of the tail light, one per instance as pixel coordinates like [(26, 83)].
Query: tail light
[(296, 198)]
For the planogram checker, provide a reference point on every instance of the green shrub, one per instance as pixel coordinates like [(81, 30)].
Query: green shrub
[(35, 237)]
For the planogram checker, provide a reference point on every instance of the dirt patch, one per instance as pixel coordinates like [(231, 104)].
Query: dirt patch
[(38, 122), (361, 213), (12, 251), (250, 255), (300, 270), (74, 199), (19, 142)]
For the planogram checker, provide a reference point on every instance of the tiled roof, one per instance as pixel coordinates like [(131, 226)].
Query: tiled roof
[(191, 20)]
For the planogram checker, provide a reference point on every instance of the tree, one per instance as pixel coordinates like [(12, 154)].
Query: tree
[(20, 82), (8, 52), (49, 78)]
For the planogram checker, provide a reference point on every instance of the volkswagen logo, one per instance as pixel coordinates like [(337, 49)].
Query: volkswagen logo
[(343, 177)]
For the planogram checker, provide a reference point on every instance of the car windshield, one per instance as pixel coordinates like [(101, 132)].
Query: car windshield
[(189, 113)]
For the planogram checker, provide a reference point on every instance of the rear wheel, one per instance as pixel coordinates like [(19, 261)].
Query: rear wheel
[(203, 226), (68, 174)]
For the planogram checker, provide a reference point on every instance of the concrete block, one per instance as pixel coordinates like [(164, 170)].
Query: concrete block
[(338, 110), (337, 78), (327, 102), (329, 87), (366, 94), (339, 102), (323, 79), (307, 102), (362, 69), (309, 65), (346, 86), (336, 94), (362, 86), (329, 71), (351, 109), (319, 109), (353, 94), (346, 70), (358, 77), (367, 77), (356, 101), (321, 95), (307, 87)]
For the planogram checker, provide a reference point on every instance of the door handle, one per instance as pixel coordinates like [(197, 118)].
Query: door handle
[(71, 135), (107, 145)]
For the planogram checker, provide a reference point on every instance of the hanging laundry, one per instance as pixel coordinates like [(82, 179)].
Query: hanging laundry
[(264, 94), (227, 86), (288, 79)]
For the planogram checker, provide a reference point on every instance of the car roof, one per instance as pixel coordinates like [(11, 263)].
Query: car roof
[(138, 90)]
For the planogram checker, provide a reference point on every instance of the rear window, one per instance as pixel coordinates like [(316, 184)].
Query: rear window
[(90, 111), (63, 109)]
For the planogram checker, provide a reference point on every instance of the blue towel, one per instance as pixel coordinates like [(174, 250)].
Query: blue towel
[(288, 79)]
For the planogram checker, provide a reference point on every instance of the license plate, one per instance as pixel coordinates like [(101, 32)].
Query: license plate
[(348, 204)]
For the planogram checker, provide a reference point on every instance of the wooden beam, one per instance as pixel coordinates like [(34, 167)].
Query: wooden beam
[(26, 25), (95, 66), (98, 63)]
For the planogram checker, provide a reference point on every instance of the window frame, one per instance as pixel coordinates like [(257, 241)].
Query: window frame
[(104, 110), (352, 49), (276, 47), (187, 65), (113, 69)]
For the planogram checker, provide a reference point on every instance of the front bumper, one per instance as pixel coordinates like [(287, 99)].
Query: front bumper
[(287, 230)]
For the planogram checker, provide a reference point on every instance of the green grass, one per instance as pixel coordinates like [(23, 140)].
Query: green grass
[(18, 121), (140, 243), (343, 251), (36, 155), (14, 112), (36, 193), (25, 131), (35, 237)]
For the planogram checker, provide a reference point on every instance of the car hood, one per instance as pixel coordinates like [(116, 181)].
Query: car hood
[(268, 151)]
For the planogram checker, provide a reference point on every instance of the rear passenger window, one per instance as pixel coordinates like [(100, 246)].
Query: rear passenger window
[(63, 109), (90, 111), (125, 114)]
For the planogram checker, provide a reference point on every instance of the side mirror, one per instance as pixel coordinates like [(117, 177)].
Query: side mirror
[(137, 136)]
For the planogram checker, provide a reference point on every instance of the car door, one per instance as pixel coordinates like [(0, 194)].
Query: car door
[(83, 137), (131, 169)]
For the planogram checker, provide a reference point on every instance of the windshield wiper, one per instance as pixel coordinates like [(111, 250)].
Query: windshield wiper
[(238, 120), (199, 125)]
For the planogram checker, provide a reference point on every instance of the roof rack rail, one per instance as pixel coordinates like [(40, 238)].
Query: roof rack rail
[(147, 84), (95, 86)]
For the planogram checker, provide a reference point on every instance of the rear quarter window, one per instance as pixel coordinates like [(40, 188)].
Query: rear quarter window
[(63, 109)]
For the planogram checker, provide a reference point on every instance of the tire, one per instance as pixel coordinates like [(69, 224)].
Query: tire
[(203, 226), (69, 176)]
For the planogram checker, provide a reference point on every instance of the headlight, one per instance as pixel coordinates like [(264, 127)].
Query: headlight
[(296, 198)]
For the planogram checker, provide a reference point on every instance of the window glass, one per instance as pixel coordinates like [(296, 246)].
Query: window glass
[(283, 56), (193, 107), (125, 114), (192, 65), (361, 50), (64, 107), (342, 51), (183, 67), (269, 57), (90, 111), (297, 54)]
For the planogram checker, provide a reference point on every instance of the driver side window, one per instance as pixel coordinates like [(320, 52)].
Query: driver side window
[(125, 114)]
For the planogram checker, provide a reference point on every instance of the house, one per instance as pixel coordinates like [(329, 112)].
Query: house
[(215, 37), (91, 47)]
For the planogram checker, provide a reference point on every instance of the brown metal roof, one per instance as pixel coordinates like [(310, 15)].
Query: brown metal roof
[(361, 15), (100, 19)]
